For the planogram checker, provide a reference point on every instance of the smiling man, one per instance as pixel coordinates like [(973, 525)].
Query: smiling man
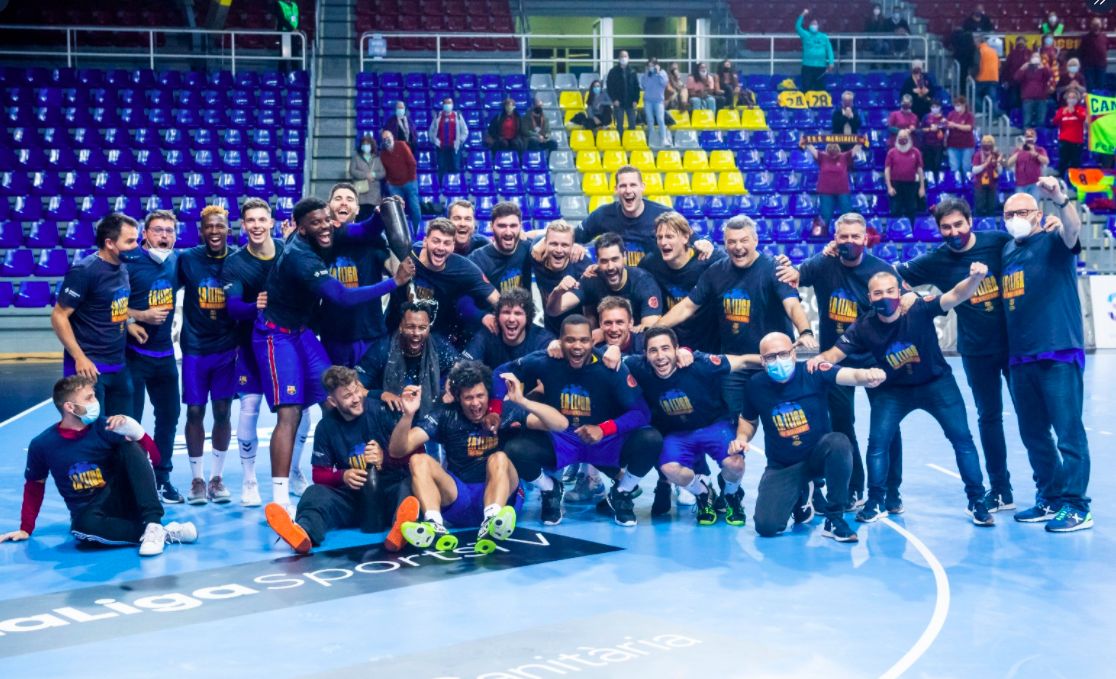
[(506, 261), (554, 262), (463, 216), (515, 336), (613, 277)]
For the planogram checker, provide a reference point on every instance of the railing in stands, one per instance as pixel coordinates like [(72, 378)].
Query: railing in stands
[(851, 50), (226, 43)]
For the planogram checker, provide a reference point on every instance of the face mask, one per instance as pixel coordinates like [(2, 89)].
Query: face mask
[(813, 28), (1072, 69), (906, 106), (876, 12), (1018, 227), (903, 145), (780, 370), (160, 255), (886, 306), (388, 145), (959, 109), (846, 104), (1053, 19), (1035, 62), (596, 90), (538, 108), (624, 61), (366, 148), (1048, 41), (1071, 102), (448, 108), (703, 72), (92, 412), (850, 252), (400, 112), (936, 110), (958, 242), (986, 149)]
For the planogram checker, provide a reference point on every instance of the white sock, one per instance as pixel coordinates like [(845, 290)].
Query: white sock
[(544, 483), (433, 516), (300, 442), (217, 464), (731, 486), (247, 417), (697, 486), (491, 510), (249, 466), (279, 491), (196, 464), (627, 483)]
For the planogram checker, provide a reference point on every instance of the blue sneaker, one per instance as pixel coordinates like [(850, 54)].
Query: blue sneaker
[(1070, 519), (1037, 514), (979, 512), (999, 500), (872, 512)]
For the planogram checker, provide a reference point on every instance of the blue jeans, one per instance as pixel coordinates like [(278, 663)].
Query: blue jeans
[(449, 162), (942, 399), (960, 161), (983, 374), (708, 101), (828, 204), (656, 115), (1049, 395), (987, 89), (1034, 112), (410, 194)]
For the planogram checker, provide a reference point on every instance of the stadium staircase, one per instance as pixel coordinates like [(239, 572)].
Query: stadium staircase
[(333, 137)]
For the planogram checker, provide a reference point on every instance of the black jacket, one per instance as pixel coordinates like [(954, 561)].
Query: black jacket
[(623, 86)]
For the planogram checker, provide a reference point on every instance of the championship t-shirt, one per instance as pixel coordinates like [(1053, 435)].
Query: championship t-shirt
[(98, 292), (795, 414), (749, 302)]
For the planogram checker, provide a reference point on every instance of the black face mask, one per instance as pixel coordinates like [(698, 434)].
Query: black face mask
[(538, 109), (850, 251)]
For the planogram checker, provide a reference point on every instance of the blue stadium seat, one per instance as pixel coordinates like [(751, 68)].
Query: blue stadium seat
[(914, 250), (761, 182), (544, 207), (926, 230), (899, 230), (506, 161), (11, 235), (689, 207), (92, 208), (788, 182), (774, 205), (230, 183), (17, 264), (480, 184), (803, 205), (54, 262), (712, 140), (802, 160), (534, 161), (79, 234), (26, 209), (32, 295), (45, 183), (786, 231), (887, 252), (749, 160), (284, 209), (60, 209), (539, 184), (483, 206), (232, 160), (289, 184), (986, 224), (204, 138), (737, 140), (7, 294), (129, 205), (717, 207), (199, 183), (509, 184), (478, 161), (139, 183)]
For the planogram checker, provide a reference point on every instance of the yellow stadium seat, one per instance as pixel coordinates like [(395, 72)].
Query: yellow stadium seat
[(597, 201), (669, 161), (571, 100), (728, 119), (608, 140), (644, 160), (753, 119), (652, 183), (731, 184), (662, 200), (695, 160), (614, 160), (568, 116), (589, 161), (595, 184), (681, 120), (635, 140), (677, 184), (703, 119), (582, 140), (721, 160), (704, 183)]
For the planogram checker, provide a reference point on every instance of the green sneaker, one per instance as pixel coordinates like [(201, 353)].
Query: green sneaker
[(499, 526), (422, 534), (734, 508), (706, 514)]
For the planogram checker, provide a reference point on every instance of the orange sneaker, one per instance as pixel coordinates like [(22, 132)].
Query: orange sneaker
[(292, 533), (408, 511)]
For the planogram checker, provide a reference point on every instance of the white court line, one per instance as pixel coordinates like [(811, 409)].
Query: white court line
[(30, 410), (947, 472), (941, 605), (1106, 433)]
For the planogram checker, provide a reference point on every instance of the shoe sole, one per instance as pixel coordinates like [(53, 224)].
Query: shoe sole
[(707, 522), (625, 524), (171, 502), (837, 538), (873, 519), (1002, 508), (896, 511), (251, 503), (221, 500), (982, 524), (407, 512), (1084, 525), (554, 522), (197, 501), (1037, 519), (285, 527)]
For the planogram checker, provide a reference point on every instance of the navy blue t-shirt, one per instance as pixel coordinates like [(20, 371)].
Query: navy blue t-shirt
[(750, 300), (640, 289), (699, 331), (1041, 306), (459, 278), (206, 326), (468, 444), (638, 233), (795, 414), (294, 285), (372, 366), (244, 277), (982, 330), (339, 443), (153, 286), (842, 294), (490, 349), (354, 265), (80, 467), (98, 292), (637, 343), (688, 399), (907, 349), (547, 280), (505, 271)]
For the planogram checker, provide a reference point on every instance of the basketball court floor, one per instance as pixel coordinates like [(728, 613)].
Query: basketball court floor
[(924, 594)]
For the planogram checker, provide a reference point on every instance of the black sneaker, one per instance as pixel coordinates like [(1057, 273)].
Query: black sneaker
[(872, 512), (856, 500), (894, 504), (706, 515), (661, 504), (981, 515), (569, 475), (733, 504), (552, 505), (804, 507), (622, 507), (169, 494), (836, 528), (999, 500)]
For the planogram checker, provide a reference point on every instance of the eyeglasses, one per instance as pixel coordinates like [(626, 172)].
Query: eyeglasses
[(1008, 214), (161, 231), (777, 356)]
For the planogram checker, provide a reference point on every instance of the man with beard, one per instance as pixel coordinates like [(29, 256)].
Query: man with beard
[(613, 277), (557, 259), (466, 240), (516, 335), (506, 261)]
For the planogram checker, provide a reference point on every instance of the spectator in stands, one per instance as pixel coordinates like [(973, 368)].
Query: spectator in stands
[(1051, 58), (933, 129), (987, 166), (964, 51), (1028, 161), (449, 133), (702, 88), (846, 119), (904, 176), (896, 24), (833, 179), (677, 97), (1016, 59), (366, 171), (817, 53), (534, 129), (655, 83), (959, 137), (987, 75), (400, 171), (1033, 78), (1070, 121), (877, 23), (400, 125), (729, 82), (1053, 25), (623, 90), (598, 109), (1094, 54), (903, 119), (978, 21), (920, 87), (503, 130), (1071, 79)]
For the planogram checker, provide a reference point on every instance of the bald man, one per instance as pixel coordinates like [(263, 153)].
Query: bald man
[(798, 440), (1046, 355)]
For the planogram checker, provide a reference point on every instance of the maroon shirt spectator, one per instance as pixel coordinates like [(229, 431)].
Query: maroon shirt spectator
[(1033, 82), (833, 173), (1028, 162), (399, 164), (904, 165), (903, 119), (1094, 54), (961, 139), (933, 129)]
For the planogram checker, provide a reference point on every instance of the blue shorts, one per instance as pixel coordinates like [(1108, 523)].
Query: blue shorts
[(347, 354), (689, 448), (209, 377), (247, 371), (291, 366), (468, 509), (568, 449)]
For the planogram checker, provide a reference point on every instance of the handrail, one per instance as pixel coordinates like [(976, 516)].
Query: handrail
[(72, 52)]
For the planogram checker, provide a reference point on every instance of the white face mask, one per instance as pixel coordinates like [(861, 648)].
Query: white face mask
[(160, 255), (92, 412), (623, 61), (1018, 227)]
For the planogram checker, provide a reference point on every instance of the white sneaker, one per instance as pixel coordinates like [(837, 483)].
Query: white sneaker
[(250, 494), (685, 497), (299, 484), (153, 540), (185, 532)]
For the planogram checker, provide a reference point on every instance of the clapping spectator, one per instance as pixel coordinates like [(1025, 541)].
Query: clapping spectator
[(987, 166), (449, 133), (919, 87), (933, 140), (729, 83), (978, 21), (366, 171), (534, 129), (904, 177), (598, 109), (702, 88), (903, 119), (1094, 54), (400, 125), (655, 82), (1052, 25), (1033, 79), (833, 179), (623, 90), (503, 130), (846, 119), (1028, 161), (1071, 78), (1070, 121), (677, 96), (1016, 59), (817, 53), (959, 137)]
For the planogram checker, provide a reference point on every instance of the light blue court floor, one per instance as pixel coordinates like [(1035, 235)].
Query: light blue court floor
[(925, 594)]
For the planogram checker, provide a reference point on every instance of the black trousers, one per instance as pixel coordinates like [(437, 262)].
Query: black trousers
[(932, 158), (533, 451), (811, 78), (1069, 155), (114, 392), (781, 487), (119, 512), (985, 201), (905, 202), (842, 417), (158, 379), (325, 508)]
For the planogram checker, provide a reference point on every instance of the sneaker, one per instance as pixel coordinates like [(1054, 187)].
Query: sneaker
[(499, 526), (217, 492), (185, 533), (733, 504), (286, 528), (660, 506), (153, 541), (169, 495), (551, 512), (1037, 514), (570, 474), (587, 489), (623, 507), (1070, 519), (856, 500), (198, 493), (720, 503), (250, 494), (299, 484), (872, 512), (684, 497), (981, 515), (804, 513), (895, 506), (836, 528), (706, 515), (422, 534), (406, 512), (999, 500)]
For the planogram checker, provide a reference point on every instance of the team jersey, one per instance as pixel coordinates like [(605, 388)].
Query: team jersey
[(547, 280), (699, 331), (489, 348), (750, 301), (339, 443), (638, 232), (505, 270), (294, 285), (795, 414), (98, 292), (353, 265), (153, 287), (907, 349), (842, 294), (459, 278), (639, 288), (206, 325), (687, 399), (468, 444), (371, 368), (1039, 287), (79, 466), (244, 277)]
